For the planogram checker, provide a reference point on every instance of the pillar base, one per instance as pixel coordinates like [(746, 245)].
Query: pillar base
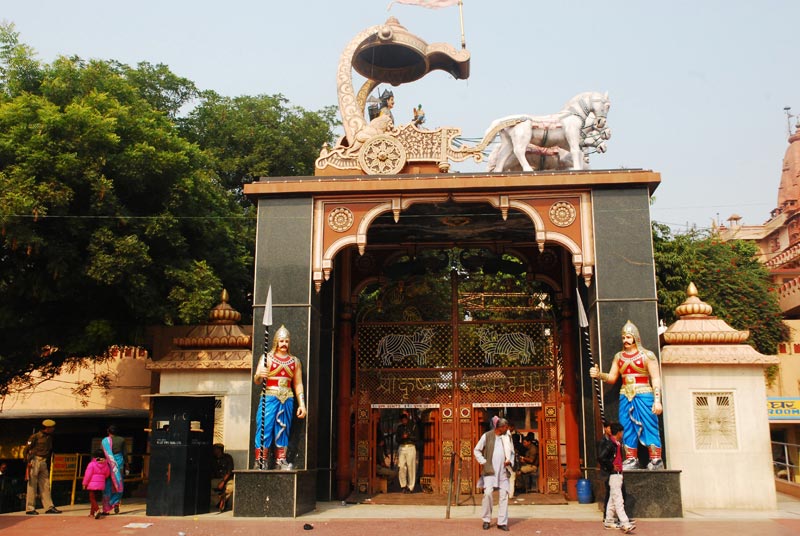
[(274, 493), (648, 494)]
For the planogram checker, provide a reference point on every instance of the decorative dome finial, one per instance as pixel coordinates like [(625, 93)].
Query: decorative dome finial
[(693, 306), (224, 313)]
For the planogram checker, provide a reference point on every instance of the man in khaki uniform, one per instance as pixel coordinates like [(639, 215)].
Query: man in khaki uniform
[(38, 452)]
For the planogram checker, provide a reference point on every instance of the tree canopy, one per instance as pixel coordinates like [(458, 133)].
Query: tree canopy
[(257, 136), (728, 276), (115, 213)]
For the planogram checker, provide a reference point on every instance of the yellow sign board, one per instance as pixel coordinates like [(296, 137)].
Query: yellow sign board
[(65, 467), (783, 409)]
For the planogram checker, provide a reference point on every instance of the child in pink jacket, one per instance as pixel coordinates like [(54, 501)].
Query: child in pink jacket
[(94, 480)]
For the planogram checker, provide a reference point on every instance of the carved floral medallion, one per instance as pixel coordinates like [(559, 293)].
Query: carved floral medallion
[(562, 214), (340, 219)]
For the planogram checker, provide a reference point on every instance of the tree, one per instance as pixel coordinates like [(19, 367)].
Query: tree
[(110, 219), (251, 137), (728, 277)]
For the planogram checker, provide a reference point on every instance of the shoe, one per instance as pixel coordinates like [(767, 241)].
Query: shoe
[(116, 508), (610, 525), (406, 490), (627, 529), (656, 464), (630, 463), (53, 510), (98, 514), (32, 513), (503, 527), (486, 525)]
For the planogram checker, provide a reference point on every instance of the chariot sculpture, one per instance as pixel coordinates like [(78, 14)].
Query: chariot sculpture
[(390, 54)]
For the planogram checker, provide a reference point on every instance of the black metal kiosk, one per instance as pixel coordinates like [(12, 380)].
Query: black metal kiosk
[(181, 437)]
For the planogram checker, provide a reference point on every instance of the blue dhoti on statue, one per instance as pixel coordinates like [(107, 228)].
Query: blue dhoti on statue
[(273, 422), (639, 423)]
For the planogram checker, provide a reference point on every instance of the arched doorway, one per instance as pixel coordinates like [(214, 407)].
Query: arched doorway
[(454, 336)]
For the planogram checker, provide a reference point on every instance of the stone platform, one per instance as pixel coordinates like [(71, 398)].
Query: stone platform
[(648, 494), (274, 493)]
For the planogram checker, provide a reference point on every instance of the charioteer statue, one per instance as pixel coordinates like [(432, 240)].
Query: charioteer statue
[(281, 377), (639, 397)]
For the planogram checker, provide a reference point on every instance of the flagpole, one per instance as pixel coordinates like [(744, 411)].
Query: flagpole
[(583, 322), (461, 17)]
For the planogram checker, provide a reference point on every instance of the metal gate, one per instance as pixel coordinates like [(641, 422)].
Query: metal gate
[(453, 374)]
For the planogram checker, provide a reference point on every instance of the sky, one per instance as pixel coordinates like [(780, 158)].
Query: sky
[(697, 88)]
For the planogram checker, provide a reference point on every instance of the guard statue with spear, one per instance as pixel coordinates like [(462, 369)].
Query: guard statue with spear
[(281, 378), (639, 397)]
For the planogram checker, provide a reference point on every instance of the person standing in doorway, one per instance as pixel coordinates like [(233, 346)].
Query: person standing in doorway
[(38, 451), (407, 436), (610, 459), (529, 461), (496, 457), (116, 453)]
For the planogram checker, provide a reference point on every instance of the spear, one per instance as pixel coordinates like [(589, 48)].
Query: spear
[(583, 322), (262, 462)]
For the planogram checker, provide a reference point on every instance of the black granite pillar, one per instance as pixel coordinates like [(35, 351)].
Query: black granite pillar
[(624, 286), (283, 261)]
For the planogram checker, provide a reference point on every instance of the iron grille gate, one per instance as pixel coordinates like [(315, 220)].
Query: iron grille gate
[(450, 370)]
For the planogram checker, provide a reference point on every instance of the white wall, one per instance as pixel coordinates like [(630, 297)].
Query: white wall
[(234, 385), (736, 478), (129, 381)]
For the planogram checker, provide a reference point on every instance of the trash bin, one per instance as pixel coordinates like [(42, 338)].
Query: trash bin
[(584, 491)]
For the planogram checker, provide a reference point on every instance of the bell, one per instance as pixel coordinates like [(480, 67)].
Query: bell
[(393, 55)]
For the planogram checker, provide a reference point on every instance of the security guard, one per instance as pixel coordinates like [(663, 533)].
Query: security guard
[(38, 452)]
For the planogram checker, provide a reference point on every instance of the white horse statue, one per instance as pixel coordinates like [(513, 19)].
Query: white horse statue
[(551, 158), (580, 124)]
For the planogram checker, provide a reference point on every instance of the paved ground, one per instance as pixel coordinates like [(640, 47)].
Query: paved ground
[(333, 519)]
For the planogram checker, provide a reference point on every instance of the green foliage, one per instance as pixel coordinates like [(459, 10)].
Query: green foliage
[(19, 70), (419, 288), (251, 137), (196, 290), (728, 277), (110, 219)]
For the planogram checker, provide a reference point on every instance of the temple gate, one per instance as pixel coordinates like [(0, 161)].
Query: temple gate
[(351, 252), (486, 352)]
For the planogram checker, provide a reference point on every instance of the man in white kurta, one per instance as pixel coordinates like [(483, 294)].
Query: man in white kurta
[(496, 457)]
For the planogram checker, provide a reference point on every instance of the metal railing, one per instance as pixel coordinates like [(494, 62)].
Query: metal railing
[(785, 459)]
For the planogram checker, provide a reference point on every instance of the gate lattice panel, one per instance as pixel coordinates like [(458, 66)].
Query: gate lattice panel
[(455, 367)]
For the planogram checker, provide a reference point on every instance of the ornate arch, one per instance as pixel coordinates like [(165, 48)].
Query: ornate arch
[(340, 223)]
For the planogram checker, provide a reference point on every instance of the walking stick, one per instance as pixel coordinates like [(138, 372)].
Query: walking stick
[(262, 462), (452, 481), (583, 322)]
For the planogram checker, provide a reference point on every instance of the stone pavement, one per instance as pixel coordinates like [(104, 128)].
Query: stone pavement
[(333, 519)]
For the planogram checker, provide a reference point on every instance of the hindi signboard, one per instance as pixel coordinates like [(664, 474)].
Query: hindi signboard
[(782, 409)]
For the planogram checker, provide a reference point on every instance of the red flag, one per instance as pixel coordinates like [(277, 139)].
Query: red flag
[(431, 4)]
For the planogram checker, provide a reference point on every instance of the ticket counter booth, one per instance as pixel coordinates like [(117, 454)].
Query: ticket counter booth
[(181, 436)]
